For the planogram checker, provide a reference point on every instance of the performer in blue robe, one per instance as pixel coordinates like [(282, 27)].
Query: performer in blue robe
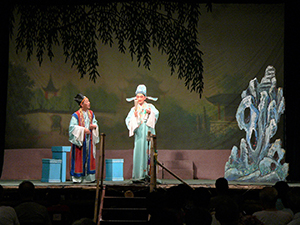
[(84, 135), (141, 119)]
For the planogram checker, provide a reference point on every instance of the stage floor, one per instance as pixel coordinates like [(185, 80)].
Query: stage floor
[(13, 184)]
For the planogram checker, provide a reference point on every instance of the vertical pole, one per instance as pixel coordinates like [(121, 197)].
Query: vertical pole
[(154, 160), (152, 164), (101, 156)]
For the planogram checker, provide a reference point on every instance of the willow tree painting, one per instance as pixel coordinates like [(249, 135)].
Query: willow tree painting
[(135, 27)]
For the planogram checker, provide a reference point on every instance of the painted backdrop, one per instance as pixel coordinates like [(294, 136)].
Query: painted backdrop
[(238, 41)]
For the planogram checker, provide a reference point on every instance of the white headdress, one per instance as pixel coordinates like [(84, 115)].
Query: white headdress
[(141, 89)]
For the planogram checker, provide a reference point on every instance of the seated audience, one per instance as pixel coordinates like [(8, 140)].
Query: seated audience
[(60, 214), (222, 190), (196, 216), (293, 198), (196, 207), (282, 188), (227, 212), (8, 215), (270, 215), (28, 211)]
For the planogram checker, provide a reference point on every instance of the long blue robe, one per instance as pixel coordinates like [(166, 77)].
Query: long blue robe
[(140, 126), (83, 162)]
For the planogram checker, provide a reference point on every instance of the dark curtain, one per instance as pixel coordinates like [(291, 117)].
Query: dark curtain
[(292, 83)]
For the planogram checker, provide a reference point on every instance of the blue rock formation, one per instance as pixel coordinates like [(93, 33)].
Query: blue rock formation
[(258, 114)]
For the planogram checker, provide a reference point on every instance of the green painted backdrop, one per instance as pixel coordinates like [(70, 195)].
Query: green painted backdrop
[(238, 41)]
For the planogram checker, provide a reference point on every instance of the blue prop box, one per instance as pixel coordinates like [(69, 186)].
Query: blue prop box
[(51, 171), (54, 170), (60, 152), (114, 169)]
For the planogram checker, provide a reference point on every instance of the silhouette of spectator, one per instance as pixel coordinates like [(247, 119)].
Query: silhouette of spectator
[(201, 198), (178, 197), (197, 215), (222, 190), (60, 214), (227, 212), (28, 211), (196, 210), (222, 186), (8, 215), (282, 188), (175, 201), (293, 199), (270, 215), (170, 206)]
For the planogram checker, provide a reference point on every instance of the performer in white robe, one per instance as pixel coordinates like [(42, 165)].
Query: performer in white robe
[(141, 119), (84, 135)]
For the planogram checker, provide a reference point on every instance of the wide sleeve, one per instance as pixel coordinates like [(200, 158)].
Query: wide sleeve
[(76, 132), (95, 132), (153, 117), (131, 122)]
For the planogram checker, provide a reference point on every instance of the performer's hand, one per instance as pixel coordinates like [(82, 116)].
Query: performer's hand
[(148, 111), (87, 131), (135, 113), (93, 126)]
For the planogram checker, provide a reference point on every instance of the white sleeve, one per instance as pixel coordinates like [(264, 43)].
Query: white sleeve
[(133, 124), (151, 120), (95, 133), (78, 133)]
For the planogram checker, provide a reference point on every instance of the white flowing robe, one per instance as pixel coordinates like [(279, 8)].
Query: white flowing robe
[(139, 127)]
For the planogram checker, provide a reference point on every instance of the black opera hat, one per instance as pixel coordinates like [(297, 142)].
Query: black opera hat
[(79, 98)]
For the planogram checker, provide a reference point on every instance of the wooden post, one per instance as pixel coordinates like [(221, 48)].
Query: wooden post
[(152, 164), (103, 159), (101, 156)]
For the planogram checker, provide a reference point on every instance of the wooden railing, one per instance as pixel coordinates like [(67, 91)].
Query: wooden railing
[(154, 162), (99, 189)]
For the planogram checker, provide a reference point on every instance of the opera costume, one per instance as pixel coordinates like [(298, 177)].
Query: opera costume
[(141, 119), (84, 135)]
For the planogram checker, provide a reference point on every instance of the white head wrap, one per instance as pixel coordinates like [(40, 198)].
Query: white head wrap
[(141, 89)]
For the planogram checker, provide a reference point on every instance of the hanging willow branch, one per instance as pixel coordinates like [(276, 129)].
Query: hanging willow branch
[(134, 27)]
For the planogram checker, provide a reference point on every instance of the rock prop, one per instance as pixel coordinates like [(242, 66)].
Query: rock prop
[(258, 114)]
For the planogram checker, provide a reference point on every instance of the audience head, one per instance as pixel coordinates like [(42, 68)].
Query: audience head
[(222, 185), (26, 190), (177, 196), (202, 197), (268, 197), (282, 188)]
